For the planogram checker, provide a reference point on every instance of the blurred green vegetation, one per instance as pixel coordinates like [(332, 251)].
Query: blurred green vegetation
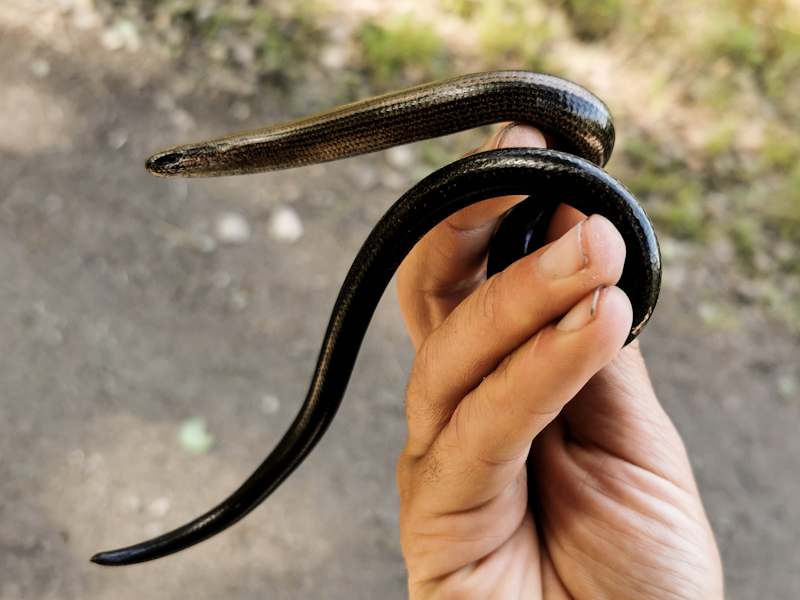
[(402, 49), (268, 42), (722, 164)]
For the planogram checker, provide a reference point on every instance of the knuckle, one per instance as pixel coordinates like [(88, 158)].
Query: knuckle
[(419, 370), (424, 412), (490, 301), (481, 446)]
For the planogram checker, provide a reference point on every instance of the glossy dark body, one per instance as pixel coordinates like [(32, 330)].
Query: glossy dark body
[(578, 121)]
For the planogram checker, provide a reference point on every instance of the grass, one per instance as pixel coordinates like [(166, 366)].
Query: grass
[(265, 41), (725, 162), (402, 50), (512, 33)]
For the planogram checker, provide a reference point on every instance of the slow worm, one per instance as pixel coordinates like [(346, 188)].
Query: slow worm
[(578, 122)]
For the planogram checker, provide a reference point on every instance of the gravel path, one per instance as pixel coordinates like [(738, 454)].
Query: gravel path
[(131, 304)]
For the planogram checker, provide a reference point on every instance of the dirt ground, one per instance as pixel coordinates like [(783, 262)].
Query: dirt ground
[(122, 315)]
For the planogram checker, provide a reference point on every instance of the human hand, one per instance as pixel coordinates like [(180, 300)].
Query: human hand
[(539, 463)]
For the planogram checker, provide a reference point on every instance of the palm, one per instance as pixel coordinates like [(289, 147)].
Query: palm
[(591, 514)]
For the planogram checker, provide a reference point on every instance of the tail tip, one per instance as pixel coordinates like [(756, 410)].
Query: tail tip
[(104, 559)]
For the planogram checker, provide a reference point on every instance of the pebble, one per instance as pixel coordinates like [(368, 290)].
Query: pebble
[(231, 228), (182, 120), (270, 404), (193, 436), (40, 67), (240, 110), (131, 504), (787, 388), (243, 53), (285, 225), (159, 507), (401, 157), (84, 15), (334, 58), (238, 299), (121, 34), (196, 241), (117, 139)]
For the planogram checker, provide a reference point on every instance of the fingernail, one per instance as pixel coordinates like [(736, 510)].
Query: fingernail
[(580, 314), (565, 256), (501, 137), (515, 135)]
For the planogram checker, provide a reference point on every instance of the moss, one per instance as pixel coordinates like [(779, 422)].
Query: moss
[(779, 74), (781, 150), (745, 235), (730, 36), (784, 211)]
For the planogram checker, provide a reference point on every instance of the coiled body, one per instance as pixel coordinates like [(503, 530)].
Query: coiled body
[(579, 123)]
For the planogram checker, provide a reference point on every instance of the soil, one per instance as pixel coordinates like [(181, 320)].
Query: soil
[(122, 316)]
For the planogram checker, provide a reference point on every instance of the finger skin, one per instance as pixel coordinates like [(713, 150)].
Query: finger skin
[(473, 478), (497, 318), (450, 261)]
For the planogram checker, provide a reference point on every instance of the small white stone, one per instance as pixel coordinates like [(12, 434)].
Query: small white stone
[(285, 225), (121, 34), (182, 120), (40, 67), (401, 157), (787, 388), (334, 57), (205, 244), (270, 404), (240, 110), (238, 299), (117, 139), (243, 53), (158, 508), (132, 504), (231, 228), (84, 15)]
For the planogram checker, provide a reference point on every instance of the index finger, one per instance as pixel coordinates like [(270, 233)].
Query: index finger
[(449, 263)]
